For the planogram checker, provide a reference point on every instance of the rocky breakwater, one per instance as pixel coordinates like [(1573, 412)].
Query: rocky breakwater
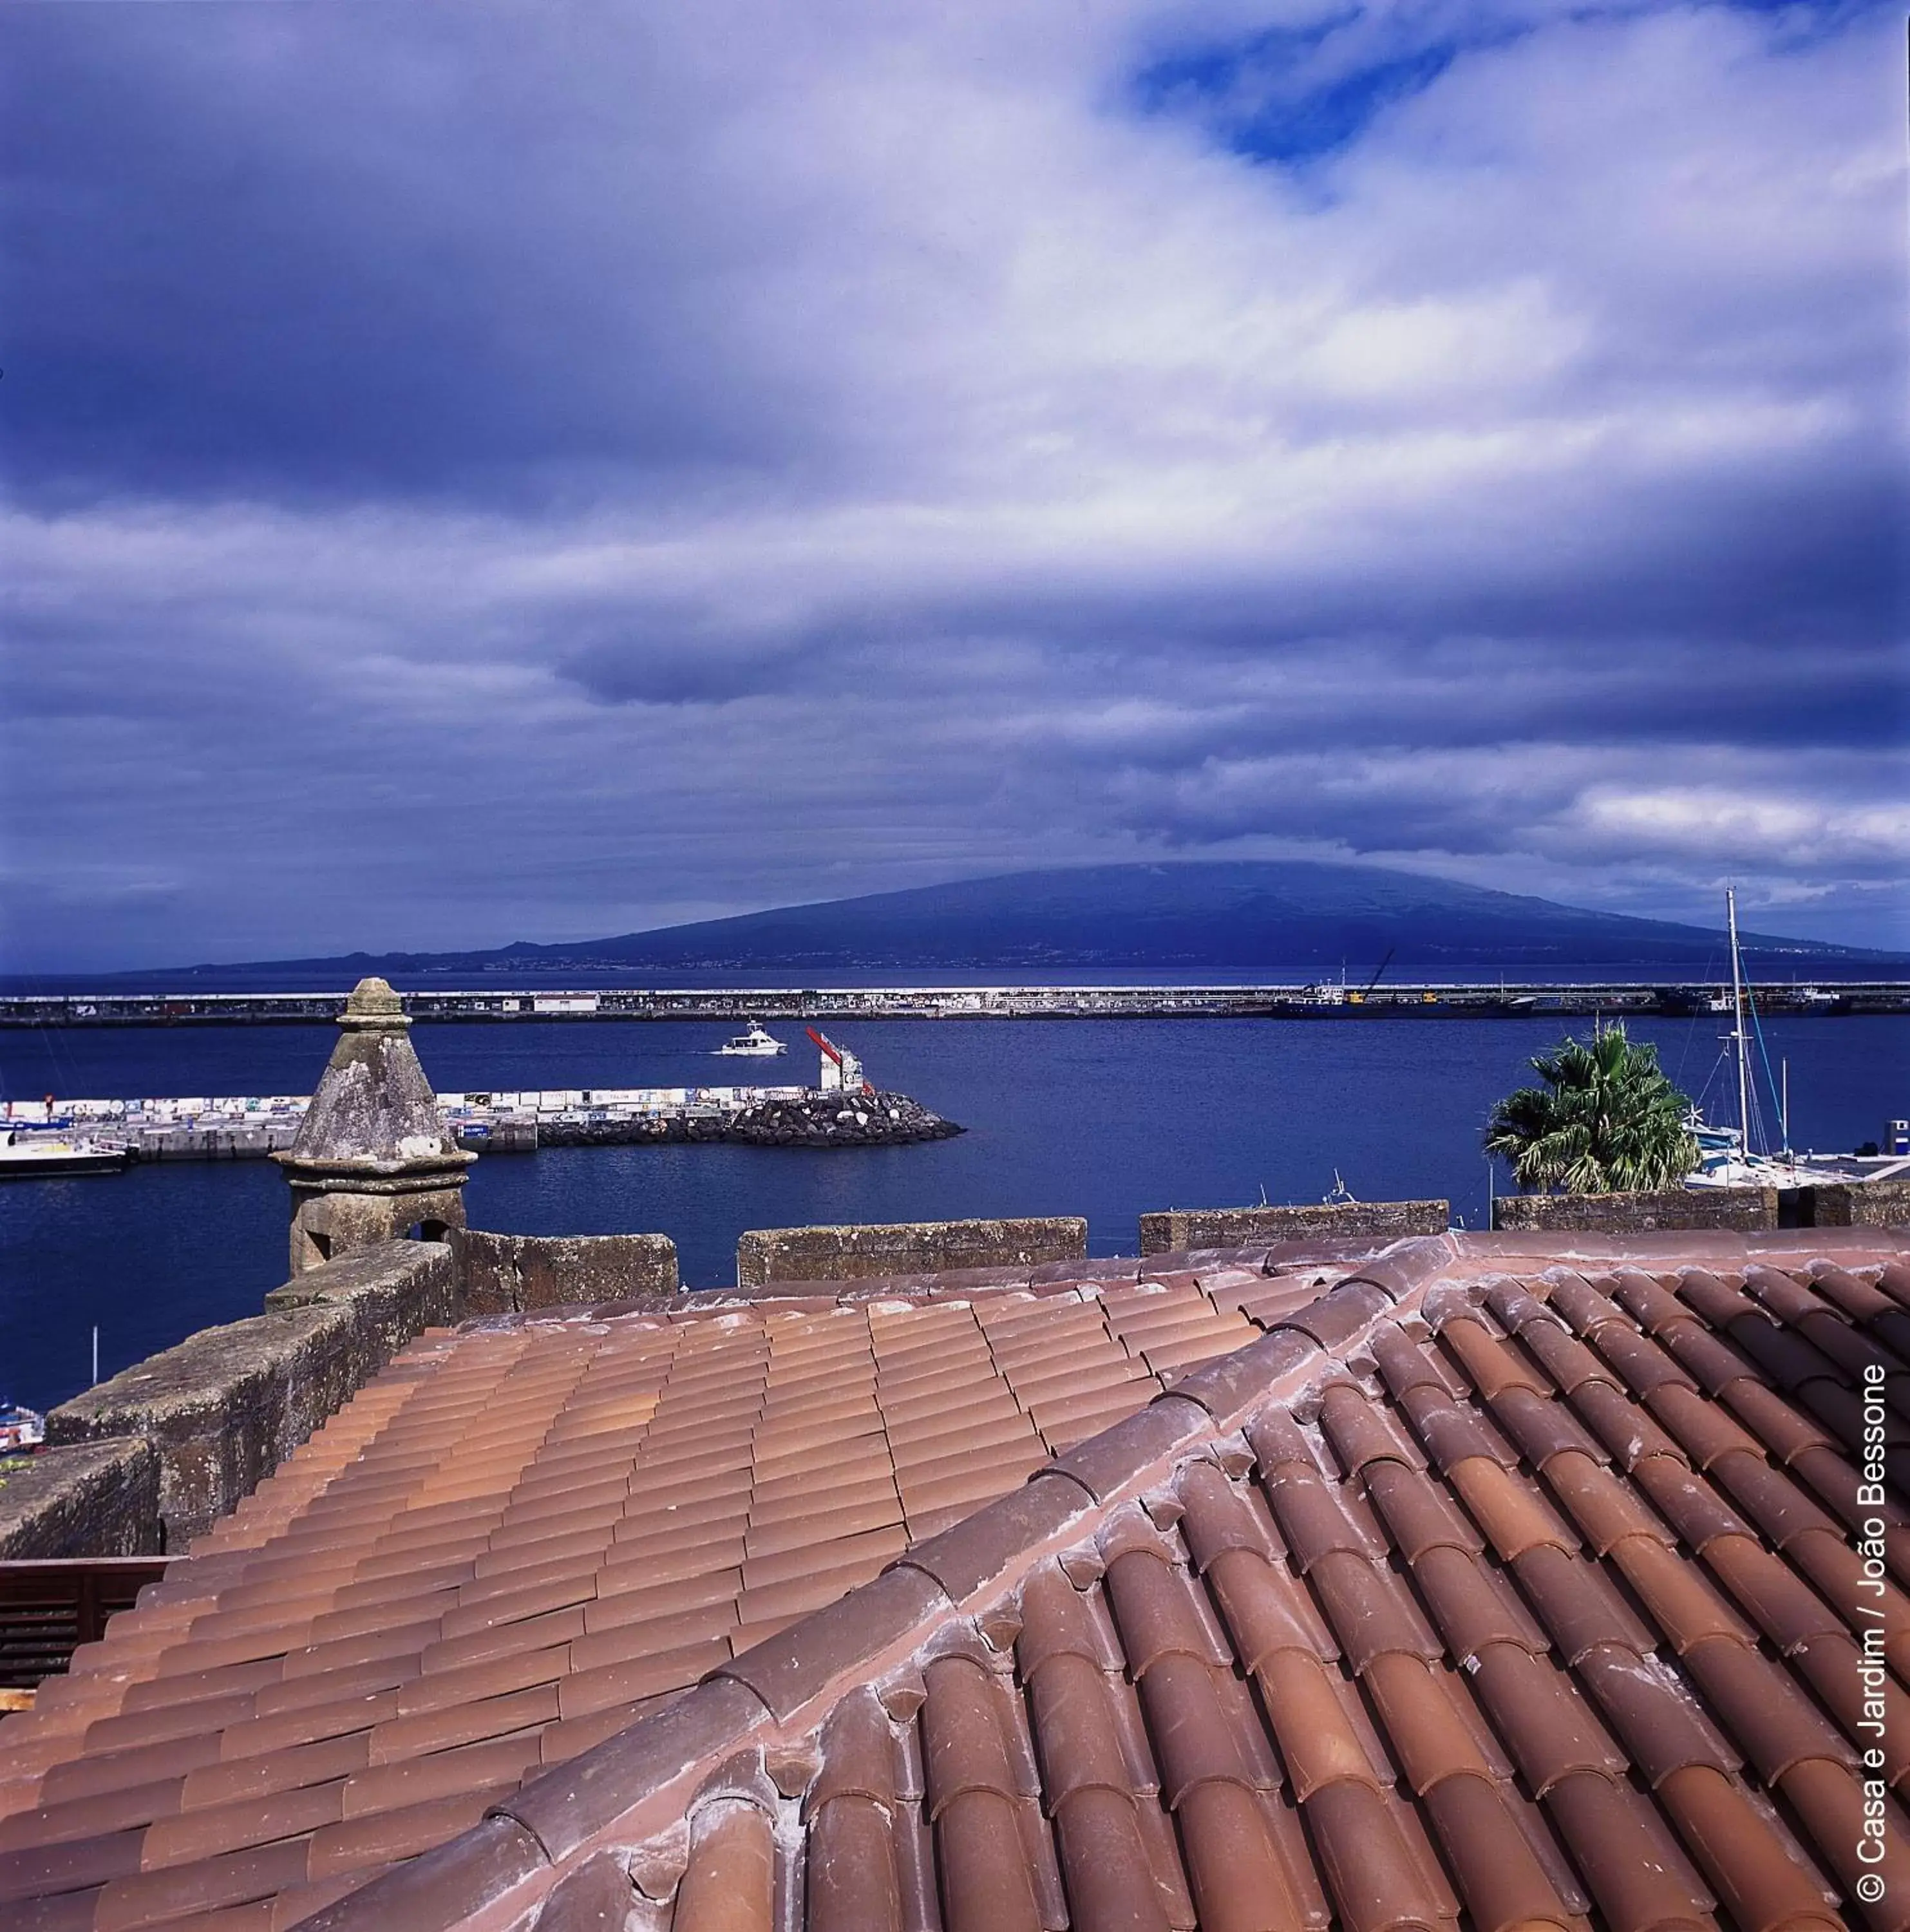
[(838, 1119)]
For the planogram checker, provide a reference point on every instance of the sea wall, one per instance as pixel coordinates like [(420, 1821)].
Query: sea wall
[(1745, 1208), (99, 1499), (861, 1252), (226, 1406), (1179, 1229), (504, 1274)]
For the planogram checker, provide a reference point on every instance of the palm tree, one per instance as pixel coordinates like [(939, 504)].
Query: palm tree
[(1607, 1120)]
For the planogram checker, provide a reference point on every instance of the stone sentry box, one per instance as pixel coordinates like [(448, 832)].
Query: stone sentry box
[(373, 1159)]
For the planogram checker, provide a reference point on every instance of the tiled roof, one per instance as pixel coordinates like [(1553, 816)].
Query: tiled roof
[(522, 1533), (1489, 1588)]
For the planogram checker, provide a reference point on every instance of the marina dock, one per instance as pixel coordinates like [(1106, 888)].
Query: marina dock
[(1417, 1000)]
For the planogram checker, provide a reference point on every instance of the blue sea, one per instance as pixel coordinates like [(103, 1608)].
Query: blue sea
[(1109, 1119)]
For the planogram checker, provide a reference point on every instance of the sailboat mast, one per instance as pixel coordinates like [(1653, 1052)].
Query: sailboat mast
[(1738, 1028)]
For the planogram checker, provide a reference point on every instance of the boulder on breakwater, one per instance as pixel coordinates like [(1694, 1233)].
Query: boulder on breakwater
[(838, 1119)]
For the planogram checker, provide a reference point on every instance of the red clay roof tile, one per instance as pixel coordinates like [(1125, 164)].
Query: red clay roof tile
[(231, 1878), (591, 1688)]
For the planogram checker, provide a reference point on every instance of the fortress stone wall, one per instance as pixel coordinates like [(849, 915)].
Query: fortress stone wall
[(1183, 1228)]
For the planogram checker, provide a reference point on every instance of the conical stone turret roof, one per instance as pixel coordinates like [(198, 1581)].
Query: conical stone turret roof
[(374, 1112)]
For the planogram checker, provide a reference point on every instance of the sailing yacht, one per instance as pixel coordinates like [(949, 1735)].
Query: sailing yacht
[(1727, 1157)]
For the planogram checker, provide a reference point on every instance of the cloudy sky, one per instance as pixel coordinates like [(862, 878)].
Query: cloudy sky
[(479, 471)]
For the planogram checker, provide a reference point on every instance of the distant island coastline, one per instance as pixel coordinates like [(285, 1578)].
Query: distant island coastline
[(1275, 920)]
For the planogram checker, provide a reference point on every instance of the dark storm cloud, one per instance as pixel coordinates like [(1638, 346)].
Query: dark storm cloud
[(500, 472), (362, 249)]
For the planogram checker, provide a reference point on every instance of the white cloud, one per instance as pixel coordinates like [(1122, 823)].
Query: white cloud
[(1747, 828)]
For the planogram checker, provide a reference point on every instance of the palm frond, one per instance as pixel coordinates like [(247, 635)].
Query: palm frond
[(1606, 1121)]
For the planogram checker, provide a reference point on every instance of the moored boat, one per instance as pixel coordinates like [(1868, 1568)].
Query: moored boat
[(21, 1428), (32, 1156)]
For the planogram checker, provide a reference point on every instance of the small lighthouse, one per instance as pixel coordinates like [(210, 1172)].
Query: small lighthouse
[(374, 1160)]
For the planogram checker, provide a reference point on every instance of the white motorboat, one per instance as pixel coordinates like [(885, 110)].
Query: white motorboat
[(36, 1156), (754, 1044)]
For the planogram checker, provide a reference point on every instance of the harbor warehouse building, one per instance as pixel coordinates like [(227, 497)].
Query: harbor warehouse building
[(1541, 1578)]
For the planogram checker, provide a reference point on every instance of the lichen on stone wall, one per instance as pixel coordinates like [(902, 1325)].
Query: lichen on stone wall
[(1676, 1208), (85, 1499), (858, 1252), (505, 1274)]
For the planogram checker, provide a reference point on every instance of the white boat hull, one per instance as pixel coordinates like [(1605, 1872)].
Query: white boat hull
[(48, 1160)]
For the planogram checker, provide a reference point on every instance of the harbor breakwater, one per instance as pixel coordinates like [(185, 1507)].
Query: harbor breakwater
[(1518, 998), (795, 1117)]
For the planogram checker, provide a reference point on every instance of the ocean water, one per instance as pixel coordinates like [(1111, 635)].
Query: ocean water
[(1109, 1119)]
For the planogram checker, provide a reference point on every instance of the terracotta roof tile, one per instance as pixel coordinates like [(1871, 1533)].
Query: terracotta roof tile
[(570, 1737), (538, 1631), (679, 1556), (381, 1837), (313, 1723), (259, 1776), (591, 1688), (815, 1585), (402, 1736), (208, 1830), (73, 1864), (97, 1814), (71, 1778), (846, 1547), (641, 1598), (805, 1495), (232, 1878), (875, 1509)]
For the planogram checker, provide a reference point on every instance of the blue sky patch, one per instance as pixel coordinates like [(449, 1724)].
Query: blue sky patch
[(1282, 96)]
